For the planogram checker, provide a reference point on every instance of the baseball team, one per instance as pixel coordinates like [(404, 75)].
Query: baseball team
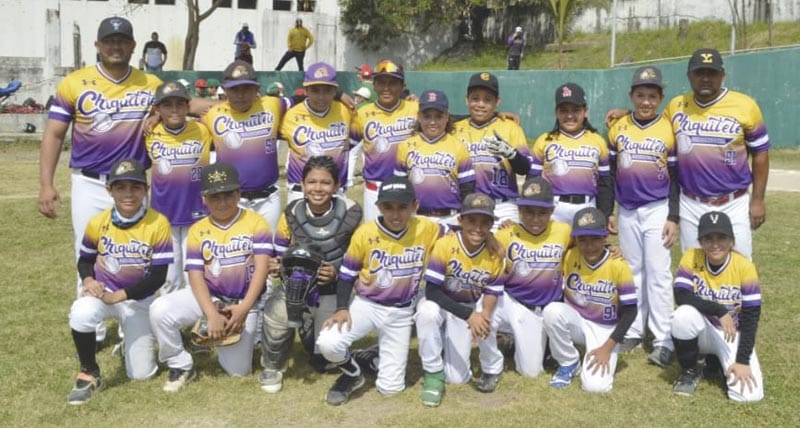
[(446, 242)]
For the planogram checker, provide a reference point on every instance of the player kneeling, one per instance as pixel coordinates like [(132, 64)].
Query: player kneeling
[(462, 285), (719, 305), (227, 256), (123, 261), (384, 263), (599, 307), (534, 250)]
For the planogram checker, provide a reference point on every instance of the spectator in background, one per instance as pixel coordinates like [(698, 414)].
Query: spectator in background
[(299, 40), (275, 89), (221, 94), (516, 43), (213, 86), (363, 95), (154, 54), (245, 40), (201, 88)]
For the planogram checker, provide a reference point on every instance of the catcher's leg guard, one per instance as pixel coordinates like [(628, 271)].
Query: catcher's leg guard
[(277, 336)]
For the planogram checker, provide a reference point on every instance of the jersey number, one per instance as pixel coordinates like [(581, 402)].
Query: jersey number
[(610, 313), (500, 177), (196, 173)]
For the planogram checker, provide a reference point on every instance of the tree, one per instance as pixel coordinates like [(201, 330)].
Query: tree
[(193, 30), (562, 11)]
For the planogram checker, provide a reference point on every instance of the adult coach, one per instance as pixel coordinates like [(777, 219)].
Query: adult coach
[(299, 40), (717, 130), (107, 104), (154, 54)]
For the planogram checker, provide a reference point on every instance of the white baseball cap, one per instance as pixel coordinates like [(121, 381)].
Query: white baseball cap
[(363, 92), (244, 25), (220, 91), (518, 30)]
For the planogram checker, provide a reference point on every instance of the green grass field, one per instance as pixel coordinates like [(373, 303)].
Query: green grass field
[(38, 365)]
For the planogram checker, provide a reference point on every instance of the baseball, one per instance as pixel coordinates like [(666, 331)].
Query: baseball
[(233, 140), (112, 264), (560, 167), (216, 268), (417, 175), (164, 166), (385, 278), (625, 160), (684, 143), (381, 144), (101, 122)]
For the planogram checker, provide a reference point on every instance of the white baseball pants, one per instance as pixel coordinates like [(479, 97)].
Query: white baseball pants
[(527, 327), (269, 208), (739, 212)]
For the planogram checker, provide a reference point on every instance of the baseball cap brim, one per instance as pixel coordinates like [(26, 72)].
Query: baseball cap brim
[(234, 83), (532, 203), (127, 178), (221, 189), (478, 211), (714, 67), (401, 197), (589, 232), (320, 82)]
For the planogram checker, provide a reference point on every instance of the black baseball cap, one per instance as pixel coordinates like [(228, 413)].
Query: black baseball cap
[(127, 169), (396, 189), (484, 80), (570, 93), (171, 89), (478, 203), (714, 222), (589, 221), (239, 73), (536, 192), (219, 177), (647, 75), (115, 25), (433, 99), (706, 58)]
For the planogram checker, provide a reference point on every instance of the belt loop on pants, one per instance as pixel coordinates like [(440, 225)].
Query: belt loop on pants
[(716, 200)]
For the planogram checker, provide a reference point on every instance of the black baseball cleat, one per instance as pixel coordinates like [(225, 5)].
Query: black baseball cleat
[(687, 382), (85, 385), (344, 386), (367, 359)]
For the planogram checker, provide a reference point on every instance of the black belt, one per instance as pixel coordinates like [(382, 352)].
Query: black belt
[(90, 174), (573, 199), (259, 194), (444, 212), (531, 307), (296, 188), (395, 305)]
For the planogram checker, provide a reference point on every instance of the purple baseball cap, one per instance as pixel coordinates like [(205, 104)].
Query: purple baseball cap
[(434, 99), (320, 73)]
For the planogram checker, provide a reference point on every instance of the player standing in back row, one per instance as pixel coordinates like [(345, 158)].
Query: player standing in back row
[(717, 132)]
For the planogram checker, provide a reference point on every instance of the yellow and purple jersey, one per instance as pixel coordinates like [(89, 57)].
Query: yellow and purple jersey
[(463, 275), (248, 140), (597, 292), (494, 175), (381, 131), (385, 266), (571, 164), (107, 116), (734, 286), (436, 168), (714, 140), (313, 134), (123, 257), (534, 274), (226, 255), (642, 155), (178, 156)]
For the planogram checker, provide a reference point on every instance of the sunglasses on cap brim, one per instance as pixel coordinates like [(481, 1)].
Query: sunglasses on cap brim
[(388, 67)]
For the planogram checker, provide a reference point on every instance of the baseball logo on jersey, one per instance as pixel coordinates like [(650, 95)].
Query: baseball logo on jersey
[(234, 132), (385, 135), (232, 140), (104, 111), (603, 292), (405, 265), (334, 136)]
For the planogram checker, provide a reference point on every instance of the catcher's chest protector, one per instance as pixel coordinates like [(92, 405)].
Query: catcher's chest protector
[(331, 232)]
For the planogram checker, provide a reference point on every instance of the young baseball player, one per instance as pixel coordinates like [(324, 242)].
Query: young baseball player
[(462, 284), (534, 250), (244, 130), (642, 157), (318, 126), (384, 263), (178, 149), (598, 308), (382, 126), (573, 157), (498, 146), (723, 148), (719, 304), (123, 261), (227, 257), (328, 222), (438, 164)]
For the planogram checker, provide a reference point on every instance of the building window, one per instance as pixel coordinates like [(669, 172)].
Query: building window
[(247, 4), (226, 3), (138, 1), (281, 4), (306, 5), (166, 2)]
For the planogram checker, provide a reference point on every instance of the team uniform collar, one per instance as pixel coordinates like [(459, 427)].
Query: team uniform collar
[(434, 140), (175, 131), (484, 125), (573, 136), (231, 223), (600, 262), (390, 109), (644, 125), (395, 235), (469, 254), (710, 103), (108, 77), (316, 113), (720, 269)]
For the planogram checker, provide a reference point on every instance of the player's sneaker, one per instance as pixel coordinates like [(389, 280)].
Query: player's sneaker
[(119, 350), (178, 378), (628, 345), (271, 380), (432, 388), (660, 356), (321, 365), (563, 376), (687, 382), (367, 359), (487, 382), (85, 385), (344, 386)]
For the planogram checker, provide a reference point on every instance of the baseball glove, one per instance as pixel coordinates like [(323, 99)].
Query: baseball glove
[(200, 336)]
